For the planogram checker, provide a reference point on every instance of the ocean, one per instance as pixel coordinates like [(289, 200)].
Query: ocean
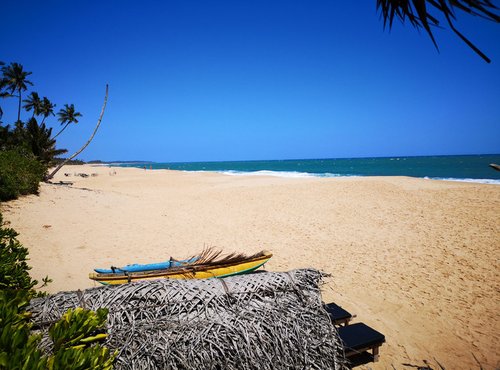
[(471, 168)]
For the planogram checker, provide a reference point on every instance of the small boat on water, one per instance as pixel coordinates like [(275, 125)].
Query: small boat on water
[(495, 166), (146, 267), (208, 264)]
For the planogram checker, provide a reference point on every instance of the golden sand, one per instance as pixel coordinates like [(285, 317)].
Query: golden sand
[(416, 259)]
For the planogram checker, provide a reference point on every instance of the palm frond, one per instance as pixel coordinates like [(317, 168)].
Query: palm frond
[(38, 137), (15, 77), (33, 102), (417, 13), (213, 256)]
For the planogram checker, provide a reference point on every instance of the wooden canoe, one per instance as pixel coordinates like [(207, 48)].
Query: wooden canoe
[(226, 267), (146, 267)]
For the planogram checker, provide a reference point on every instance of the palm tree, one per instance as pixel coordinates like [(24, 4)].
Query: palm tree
[(3, 94), (46, 108), (33, 103), (38, 138), (15, 79), (51, 175), (67, 115), (417, 13)]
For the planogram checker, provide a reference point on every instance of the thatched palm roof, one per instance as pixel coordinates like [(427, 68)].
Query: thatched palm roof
[(257, 321)]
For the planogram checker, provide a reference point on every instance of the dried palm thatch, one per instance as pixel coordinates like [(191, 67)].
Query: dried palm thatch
[(256, 321), (214, 256)]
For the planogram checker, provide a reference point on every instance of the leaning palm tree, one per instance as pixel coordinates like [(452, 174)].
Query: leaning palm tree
[(33, 103), (46, 108), (67, 115), (51, 175), (15, 80)]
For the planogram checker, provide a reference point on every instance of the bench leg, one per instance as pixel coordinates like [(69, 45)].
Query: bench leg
[(375, 353)]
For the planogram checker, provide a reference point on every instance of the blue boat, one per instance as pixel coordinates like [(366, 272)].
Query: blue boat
[(147, 267)]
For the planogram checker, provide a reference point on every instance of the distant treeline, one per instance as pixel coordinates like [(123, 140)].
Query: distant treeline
[(57, 161)]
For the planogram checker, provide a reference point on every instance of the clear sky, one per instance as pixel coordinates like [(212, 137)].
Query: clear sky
[(236, 80)]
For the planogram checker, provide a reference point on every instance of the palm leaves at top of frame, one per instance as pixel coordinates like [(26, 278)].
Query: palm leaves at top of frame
[(418, 14)]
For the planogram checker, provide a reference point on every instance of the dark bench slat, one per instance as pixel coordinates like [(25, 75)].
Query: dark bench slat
[(337, 314), (360, 336)]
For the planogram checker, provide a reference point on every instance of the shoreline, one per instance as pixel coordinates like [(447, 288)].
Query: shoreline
[(297, 174), (465, 168), (415, 259)]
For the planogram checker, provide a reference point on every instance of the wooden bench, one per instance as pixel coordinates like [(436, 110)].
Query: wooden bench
[(338, 315), (359, 339)]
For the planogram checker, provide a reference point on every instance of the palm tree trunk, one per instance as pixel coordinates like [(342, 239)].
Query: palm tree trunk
[(47, 178), (19, 108), (61, 130)]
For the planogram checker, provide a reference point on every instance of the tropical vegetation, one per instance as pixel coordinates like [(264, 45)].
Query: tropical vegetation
[(20, 173), (76, 336), (27, 150), (28, 145), (67, 115)]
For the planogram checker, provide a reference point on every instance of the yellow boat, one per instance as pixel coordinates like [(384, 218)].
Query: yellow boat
[(208, 265)]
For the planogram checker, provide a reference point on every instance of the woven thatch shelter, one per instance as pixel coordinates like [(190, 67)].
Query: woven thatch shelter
[(258, 321)]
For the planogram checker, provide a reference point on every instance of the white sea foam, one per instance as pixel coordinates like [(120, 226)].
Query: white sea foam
[(479, 181), (288, 174), (298, 175), (292, 174)]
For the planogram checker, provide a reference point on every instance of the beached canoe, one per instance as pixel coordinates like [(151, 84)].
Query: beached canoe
[(146, 267), (201, 269)]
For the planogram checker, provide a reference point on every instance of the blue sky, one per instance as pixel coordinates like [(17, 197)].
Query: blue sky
[(236, 80)]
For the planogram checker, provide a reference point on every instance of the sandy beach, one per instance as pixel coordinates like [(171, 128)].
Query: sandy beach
[(416, 259)]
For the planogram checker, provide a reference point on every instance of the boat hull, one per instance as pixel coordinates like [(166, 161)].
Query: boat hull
[(185, 272), (146, 267)]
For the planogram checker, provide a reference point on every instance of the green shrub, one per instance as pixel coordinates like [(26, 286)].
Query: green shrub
[(13, 266), (18, 347), (20, 174), (76, 335), (76, 338)]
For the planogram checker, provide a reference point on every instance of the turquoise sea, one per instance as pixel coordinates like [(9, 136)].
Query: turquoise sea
[(474, 168)]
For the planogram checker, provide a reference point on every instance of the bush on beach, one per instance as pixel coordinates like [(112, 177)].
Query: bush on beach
[(75, 337), (27, 149), (20, 174), (14, 269)]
